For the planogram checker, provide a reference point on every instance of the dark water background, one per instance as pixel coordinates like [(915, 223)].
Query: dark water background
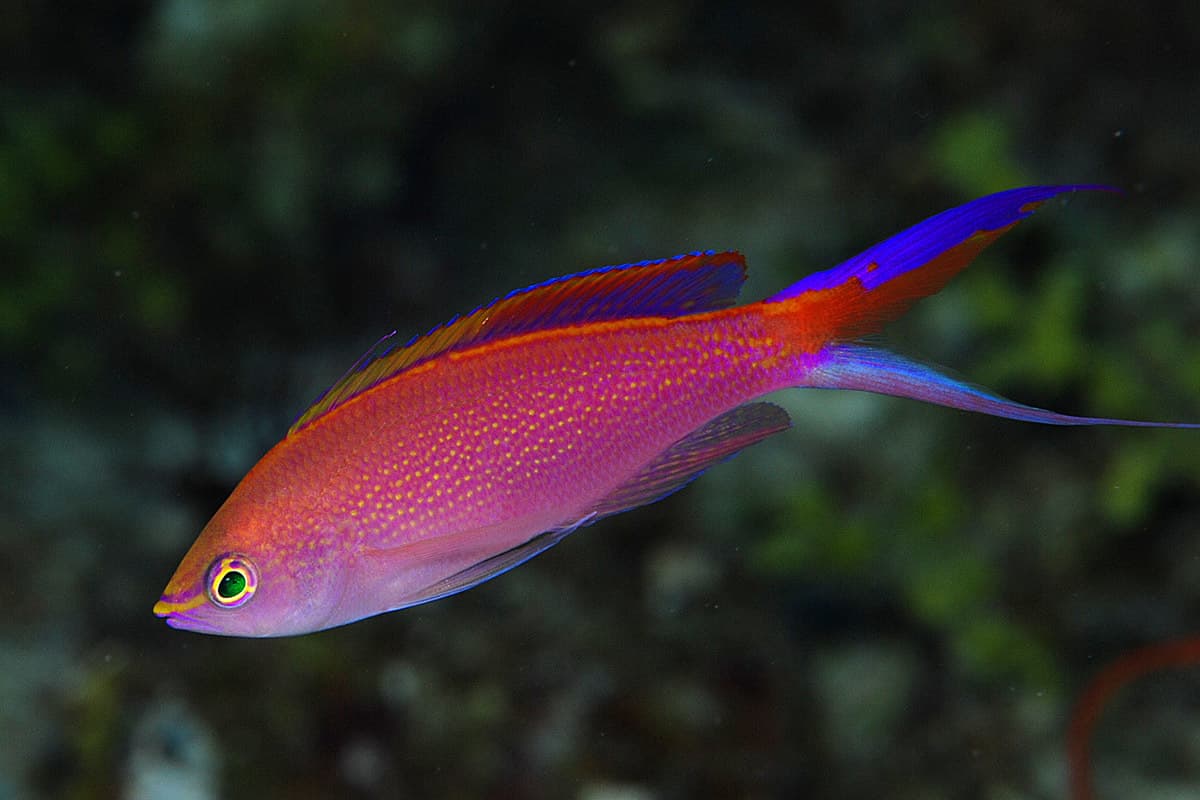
[(209, 210)]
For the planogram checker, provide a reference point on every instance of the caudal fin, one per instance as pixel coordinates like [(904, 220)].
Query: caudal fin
[(869, 369), (858, 296), (826, 312)]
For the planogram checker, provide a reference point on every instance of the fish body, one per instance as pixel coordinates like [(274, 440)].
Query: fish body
[(435, 466)]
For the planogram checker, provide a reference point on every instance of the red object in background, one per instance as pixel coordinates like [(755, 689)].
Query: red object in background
[(1126, 669)]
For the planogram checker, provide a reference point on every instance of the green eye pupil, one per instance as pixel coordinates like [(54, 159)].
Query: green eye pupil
[(232, 580), (232, 584)]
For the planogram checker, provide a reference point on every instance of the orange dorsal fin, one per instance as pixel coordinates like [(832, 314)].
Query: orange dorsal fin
[(668, 288)]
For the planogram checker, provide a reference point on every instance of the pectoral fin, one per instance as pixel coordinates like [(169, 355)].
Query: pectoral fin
[(684, 461)]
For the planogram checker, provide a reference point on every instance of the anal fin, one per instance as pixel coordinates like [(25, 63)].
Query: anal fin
[(427, 570), (501, 562)]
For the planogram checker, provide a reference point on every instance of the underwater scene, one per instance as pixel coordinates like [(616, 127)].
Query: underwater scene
[(419, 400)]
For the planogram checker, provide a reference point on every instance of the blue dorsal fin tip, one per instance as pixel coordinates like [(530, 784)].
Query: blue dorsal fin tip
[(687, 284), (653, 262)]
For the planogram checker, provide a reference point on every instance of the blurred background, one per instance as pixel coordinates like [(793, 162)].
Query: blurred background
[(209, 210)]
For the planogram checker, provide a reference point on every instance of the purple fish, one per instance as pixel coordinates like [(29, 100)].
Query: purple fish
[(436, 465)]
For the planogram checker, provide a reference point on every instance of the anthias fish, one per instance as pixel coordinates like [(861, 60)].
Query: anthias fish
[(434, 466)]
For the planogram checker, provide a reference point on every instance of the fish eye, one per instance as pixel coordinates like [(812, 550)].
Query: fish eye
[(232, 581)]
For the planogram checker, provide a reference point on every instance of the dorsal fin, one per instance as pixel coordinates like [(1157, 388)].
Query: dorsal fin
[(670, 287)]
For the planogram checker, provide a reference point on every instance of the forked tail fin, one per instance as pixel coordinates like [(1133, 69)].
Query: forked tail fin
[(826, 312), (858, 296), (870, 369)]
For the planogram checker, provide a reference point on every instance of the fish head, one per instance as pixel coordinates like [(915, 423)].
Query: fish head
[(249, 574)]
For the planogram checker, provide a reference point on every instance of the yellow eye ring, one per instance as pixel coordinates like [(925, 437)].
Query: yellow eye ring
[(232, 581)]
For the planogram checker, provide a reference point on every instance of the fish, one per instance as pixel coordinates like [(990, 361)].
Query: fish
[(435, 465)]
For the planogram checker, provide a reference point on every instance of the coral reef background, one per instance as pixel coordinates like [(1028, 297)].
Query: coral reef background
[(209, 210)]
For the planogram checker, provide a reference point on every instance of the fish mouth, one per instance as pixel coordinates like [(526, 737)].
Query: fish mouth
[(182, 620), (164, 609), (180, 613)]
